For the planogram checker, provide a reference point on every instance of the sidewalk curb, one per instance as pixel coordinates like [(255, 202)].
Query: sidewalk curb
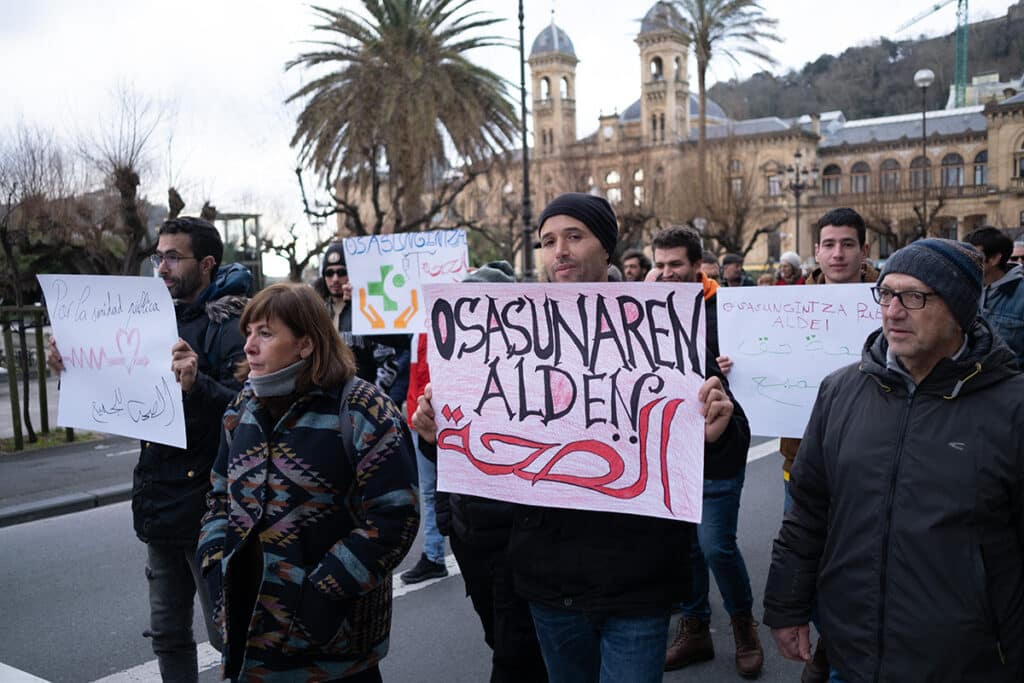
[(62, 505)]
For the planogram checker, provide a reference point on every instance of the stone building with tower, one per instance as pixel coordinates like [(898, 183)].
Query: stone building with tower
[(644, 159)]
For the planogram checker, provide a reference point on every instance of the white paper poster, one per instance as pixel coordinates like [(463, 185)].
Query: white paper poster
[(115, 336), (387, 273), (784, 340)]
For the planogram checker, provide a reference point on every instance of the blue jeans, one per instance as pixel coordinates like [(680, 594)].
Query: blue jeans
[(173, 574), (433, 541), (581, 648), (716, 548)]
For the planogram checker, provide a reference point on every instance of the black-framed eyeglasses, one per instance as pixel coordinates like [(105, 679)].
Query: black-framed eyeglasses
[(911, 300), (172, 259), (335, 272)]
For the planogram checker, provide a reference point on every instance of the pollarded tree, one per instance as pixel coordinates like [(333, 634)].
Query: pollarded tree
[(723, 28), (400, 106)]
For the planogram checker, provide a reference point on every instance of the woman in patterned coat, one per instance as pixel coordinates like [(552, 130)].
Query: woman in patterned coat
[(314, 503)]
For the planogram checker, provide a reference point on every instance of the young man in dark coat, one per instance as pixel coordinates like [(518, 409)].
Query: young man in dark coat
[(601, 585), (170, 484), (906, 525)]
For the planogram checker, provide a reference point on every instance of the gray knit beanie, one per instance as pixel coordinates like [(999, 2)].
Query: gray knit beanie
[(953, 269), (495, 271)]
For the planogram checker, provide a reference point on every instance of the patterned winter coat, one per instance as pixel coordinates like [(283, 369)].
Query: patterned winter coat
[(300, 538)]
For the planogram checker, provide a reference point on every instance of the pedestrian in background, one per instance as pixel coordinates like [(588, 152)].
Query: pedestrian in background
[(790, 270), (1002, 299), (733, 274)]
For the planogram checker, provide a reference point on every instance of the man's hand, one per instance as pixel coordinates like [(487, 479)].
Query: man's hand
[(423, 419), (184, 364), (653, 275), (53, 358), (724, 364), (716, 407), (346, 291), (794, 642)]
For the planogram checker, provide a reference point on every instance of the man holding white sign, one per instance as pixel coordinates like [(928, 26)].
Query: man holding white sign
[(170, 484), (601, 585)]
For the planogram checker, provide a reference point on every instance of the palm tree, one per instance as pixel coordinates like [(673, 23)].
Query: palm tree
[(401, 103), (723, 27)]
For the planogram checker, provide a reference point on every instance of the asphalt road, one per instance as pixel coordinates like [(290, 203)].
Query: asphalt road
[(74, 603)]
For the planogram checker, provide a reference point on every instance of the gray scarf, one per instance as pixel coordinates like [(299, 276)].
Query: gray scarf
[(280, 383)]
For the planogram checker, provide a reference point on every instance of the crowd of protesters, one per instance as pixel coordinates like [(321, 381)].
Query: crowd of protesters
[(304, 482)]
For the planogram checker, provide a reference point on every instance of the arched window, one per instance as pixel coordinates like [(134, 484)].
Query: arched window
[(654, 127), (678, 73), (661, 126), (860, 178), (952, 170), (830, 178), (735, 166), (920, 173), (1019, 162), (638, 188), (657, 70), (612, 178), (545, 88), (981, 168), (563, 88), (889, 175)]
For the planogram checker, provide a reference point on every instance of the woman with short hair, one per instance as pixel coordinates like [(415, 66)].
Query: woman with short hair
[(313, 506)]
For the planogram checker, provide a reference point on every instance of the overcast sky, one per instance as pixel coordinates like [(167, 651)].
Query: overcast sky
[(216, 69)]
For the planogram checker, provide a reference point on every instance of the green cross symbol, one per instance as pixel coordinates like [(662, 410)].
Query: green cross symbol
[(377, 288)]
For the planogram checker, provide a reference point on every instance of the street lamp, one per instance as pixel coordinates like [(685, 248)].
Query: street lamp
[(800, 179), (922, 79), (527, 209)]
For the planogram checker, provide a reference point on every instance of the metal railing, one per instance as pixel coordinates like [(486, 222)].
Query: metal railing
[(17, 324)]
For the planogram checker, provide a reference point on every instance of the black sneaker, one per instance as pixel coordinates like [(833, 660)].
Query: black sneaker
[(424, 569)]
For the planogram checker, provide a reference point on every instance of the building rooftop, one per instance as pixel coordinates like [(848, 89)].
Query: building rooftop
[(632, 112), (768, 124), (893, 128), (552, 39), (662, 16)]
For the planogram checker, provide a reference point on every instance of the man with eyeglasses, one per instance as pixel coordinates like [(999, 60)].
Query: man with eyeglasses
[(906, 527), (1018, 252), (1002, 300), (170, 484)]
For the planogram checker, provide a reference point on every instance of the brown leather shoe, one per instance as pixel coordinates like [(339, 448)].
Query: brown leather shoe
[(749, 655), (692, 644), (816, 670)]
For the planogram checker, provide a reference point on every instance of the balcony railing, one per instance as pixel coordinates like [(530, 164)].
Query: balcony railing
[(1018, 184), (900, 196)]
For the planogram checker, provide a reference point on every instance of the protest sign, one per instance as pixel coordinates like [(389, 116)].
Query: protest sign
[(115, 336), (575, 396), (387, 273), (784, 340)]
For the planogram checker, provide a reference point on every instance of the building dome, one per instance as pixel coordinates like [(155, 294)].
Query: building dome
[(552, 39), (661, 17), (715, 111)]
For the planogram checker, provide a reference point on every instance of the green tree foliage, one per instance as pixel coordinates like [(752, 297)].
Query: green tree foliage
[(399, 106)]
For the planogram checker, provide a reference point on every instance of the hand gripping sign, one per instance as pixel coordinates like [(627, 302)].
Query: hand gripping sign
[(572, 396)]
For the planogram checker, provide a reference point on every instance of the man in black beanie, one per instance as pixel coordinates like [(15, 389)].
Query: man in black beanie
[(601, 585), (906, 524)]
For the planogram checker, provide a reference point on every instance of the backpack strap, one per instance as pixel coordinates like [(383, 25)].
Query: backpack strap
[(344, 422)]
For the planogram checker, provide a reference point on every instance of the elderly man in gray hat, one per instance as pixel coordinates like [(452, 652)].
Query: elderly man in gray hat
[(907, 522)]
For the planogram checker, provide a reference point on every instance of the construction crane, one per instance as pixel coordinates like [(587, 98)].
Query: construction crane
[(960, 65)]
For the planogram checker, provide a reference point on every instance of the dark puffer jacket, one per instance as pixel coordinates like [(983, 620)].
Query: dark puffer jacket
[(612, 563), (907, 521), (170, 484)]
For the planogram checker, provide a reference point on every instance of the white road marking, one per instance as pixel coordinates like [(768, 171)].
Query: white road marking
[(761, 450), (130, 451), (8, 674)]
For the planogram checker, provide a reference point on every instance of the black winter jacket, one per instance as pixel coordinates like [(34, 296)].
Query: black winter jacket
[(612, 563), (170, 484), (907, 524)]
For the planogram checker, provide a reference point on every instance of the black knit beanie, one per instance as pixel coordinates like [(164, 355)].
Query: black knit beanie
[(953, 269), (594, 212), (334, 256)]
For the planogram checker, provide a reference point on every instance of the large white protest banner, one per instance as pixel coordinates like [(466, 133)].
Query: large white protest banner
[(784, 340), (115, 335), (581, 396), (387, 273)]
